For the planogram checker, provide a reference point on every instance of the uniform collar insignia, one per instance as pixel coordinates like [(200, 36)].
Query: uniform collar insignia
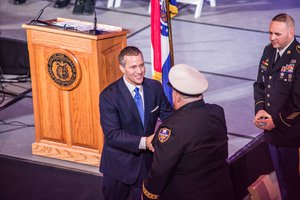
[(298, 48)]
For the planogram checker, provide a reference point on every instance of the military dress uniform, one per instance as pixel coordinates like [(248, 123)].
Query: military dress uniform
[(190, 156), (277, 90)]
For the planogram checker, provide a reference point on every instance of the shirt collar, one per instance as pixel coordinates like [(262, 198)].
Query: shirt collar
[(132, 87), (283, 50)]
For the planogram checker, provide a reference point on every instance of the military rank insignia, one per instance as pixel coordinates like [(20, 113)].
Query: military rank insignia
[(164, 134), (298, 48)]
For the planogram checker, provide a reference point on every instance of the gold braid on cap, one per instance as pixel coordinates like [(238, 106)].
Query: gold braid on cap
[(149, 194)]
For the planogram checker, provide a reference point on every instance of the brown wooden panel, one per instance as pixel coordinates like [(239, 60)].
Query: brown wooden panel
[(49, 98), (83, 156), (67, 120), (72, 43), (108, 58)]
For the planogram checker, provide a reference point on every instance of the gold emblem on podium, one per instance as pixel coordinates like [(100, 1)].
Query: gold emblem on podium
[(63, 68)]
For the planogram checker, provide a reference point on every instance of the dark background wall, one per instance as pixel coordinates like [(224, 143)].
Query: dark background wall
[(14, 57)]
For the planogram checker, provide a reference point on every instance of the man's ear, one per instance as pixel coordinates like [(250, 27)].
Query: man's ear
[(177, 96), (292, 32), (122, 68)]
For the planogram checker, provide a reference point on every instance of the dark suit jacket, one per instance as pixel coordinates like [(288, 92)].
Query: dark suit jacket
[(277, 90), (122, 127), (190, 156)]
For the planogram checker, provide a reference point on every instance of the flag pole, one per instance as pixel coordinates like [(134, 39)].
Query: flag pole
[(170, 33)]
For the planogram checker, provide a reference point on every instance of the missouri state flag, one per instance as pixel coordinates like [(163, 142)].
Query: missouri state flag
[(160, 43)]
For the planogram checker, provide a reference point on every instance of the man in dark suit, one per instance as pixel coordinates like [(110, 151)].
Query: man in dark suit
[(190, 146), (129, 109), (277, 103)]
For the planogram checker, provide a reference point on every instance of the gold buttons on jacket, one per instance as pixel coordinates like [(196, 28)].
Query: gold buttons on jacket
[(268, 95), (268, 104), (270, 77)]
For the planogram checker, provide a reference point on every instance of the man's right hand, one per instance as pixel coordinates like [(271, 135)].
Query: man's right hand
[(149, 142), (260, 117)]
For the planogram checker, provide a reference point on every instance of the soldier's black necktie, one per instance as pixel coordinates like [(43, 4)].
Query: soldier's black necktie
[(277, 58)]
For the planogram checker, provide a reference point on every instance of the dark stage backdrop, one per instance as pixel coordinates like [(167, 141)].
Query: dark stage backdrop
[(23, 180)]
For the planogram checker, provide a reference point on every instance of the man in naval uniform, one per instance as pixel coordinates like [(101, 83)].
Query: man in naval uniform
[(277, 103), (190, 146)]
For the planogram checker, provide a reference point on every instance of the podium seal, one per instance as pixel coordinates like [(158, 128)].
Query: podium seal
[(63, 68)]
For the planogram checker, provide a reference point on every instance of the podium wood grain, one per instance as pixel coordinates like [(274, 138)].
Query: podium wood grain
[(67, 121)]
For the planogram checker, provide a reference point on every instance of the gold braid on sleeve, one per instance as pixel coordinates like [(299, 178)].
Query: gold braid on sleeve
[(149, 194)]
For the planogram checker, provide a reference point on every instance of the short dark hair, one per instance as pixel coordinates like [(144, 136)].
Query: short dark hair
[(283, 17), (128, 51)]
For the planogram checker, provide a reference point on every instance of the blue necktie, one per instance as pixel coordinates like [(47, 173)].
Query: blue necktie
[(139, 103)]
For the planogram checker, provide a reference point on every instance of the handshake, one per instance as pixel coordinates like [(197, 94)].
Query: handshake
[(149, 142)]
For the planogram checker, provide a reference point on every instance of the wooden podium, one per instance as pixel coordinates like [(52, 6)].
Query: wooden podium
[(69, 69)]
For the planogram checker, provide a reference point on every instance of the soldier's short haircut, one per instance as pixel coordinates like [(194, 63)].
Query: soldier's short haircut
[(283, 17), (128, 51)]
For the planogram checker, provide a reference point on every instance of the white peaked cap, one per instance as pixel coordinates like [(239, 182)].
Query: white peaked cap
[(187, 80)]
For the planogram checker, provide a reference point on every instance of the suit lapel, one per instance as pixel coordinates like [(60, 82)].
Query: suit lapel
[(147, 102), (128, 100)]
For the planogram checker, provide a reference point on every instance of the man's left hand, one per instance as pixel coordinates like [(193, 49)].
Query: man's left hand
[(268, 124)]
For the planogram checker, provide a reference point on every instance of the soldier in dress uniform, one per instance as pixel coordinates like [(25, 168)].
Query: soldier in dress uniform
[(277, 103), (190, 146)]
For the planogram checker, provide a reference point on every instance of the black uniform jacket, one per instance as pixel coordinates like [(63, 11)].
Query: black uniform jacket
[(277, 90), (190, 156)]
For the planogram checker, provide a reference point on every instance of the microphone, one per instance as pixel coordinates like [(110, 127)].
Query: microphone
[(36, 20), (94, 31)]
